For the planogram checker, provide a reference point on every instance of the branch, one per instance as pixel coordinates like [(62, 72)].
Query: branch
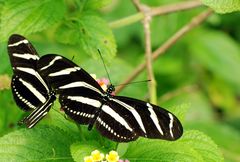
[(180, 6), (195, 21), (148, 49)]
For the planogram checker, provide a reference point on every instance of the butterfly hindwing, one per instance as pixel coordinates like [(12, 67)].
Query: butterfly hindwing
[(124, 119), (111, 124), (148, 120)]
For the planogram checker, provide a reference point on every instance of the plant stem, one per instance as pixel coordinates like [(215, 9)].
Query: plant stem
[(148, 49), (180, 6), (195, 21), (126, 21)]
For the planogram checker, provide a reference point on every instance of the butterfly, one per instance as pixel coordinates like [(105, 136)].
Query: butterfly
[(30, 90), (119, 118), (37, 80)]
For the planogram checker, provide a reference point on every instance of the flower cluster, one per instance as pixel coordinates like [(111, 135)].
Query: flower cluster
[(103, 82), (97, 156)]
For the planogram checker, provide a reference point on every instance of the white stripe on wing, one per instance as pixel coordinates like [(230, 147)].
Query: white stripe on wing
[(133, 111), (19, 42), (26, 56), (34, 91), (85, 100), (154, 118)]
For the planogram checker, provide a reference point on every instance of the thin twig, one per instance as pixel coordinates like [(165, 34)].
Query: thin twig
[(180, 6), (137, 5), (148, 49), (195, 21)]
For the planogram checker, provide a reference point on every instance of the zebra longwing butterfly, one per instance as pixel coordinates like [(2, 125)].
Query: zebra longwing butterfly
[(30, 91), (118, 118)]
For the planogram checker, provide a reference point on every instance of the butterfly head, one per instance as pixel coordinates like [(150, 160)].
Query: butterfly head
[(110, 89)]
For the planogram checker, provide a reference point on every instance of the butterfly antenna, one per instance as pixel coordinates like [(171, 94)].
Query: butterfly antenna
[(104, 66), (148, 80)]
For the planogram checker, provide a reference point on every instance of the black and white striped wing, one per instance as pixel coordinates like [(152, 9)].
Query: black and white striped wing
[(80, 94), (124, 119), (60, 71), (29, 89)]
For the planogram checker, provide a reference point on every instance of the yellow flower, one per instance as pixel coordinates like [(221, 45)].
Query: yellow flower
[(97, 156), (88, 159), (112, 156)]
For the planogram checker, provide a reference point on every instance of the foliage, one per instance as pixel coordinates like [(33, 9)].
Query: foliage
[(198, 78), (193, 146), (223, 6), (30, 145)]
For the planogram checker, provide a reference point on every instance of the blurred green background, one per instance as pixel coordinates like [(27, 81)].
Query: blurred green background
[(201, 70)]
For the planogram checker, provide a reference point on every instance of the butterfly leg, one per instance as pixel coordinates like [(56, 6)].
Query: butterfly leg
[(93, 120)]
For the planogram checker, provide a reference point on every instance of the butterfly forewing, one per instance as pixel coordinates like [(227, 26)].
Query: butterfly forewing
[(59, 71), (21, 52), (29, 89), (80, 94)]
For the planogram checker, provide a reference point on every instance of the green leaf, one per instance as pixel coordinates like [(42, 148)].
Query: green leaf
[(223, 6), (37, 144), (80, 150), (27, 17), (203, 145), (10, 113), (58, 119), (180, 110), (96, 4), (225, 136), (218, 53), (193, 146), (91, 33)]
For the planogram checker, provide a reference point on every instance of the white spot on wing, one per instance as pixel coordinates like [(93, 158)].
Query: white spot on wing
[(154, 118)]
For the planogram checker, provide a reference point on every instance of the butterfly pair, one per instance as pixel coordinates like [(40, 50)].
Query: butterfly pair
[(37, 80)]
